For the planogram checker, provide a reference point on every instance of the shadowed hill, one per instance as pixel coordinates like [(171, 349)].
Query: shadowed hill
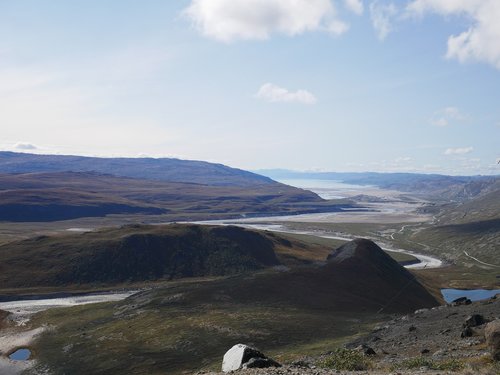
[(134, 253), (358, 275), (162, 169), (61, 204), (472, 227), (67, 195), (158, 331), (482, 208), (392, 285)]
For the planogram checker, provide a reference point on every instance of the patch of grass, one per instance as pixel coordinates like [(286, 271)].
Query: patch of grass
[(402, 257), (460, 277), (346, 360), (188, 326), (419, 362), (135, 253)]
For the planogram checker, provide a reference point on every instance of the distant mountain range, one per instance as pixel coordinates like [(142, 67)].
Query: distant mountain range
[(163, 169), (437, 186), (53, 187)]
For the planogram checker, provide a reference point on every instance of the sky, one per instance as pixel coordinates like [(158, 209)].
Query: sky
[(323, 85)]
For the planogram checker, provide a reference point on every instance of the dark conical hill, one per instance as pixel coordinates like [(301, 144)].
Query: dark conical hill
[(367, 255), (362, 268), (357, 250), (358, 277)]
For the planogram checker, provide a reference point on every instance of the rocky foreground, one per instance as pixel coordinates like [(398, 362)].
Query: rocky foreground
[(448, 339)]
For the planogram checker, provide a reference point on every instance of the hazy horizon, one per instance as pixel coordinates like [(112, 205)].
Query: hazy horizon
[(263, 171), (309, 85)]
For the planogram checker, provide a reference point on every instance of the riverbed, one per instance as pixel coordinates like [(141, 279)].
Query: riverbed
[(18, 337), (23, 309), (390, 207)]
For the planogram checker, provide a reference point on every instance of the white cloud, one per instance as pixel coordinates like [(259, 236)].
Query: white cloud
[(355, 6), (481, 40), (382, 16), (403, 159), (25, 146), (230, 20), (272, 93), (459, 151), (444, 116)]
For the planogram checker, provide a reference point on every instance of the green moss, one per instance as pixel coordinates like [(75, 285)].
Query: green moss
[(419, 362), (347, 360)]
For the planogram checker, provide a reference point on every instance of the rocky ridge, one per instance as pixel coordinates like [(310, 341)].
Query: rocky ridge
[(435, 335)]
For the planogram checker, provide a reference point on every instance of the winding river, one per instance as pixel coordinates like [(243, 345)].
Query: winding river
[(425, 261)]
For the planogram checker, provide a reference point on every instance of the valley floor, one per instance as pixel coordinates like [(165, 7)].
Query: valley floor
[(147, 329)]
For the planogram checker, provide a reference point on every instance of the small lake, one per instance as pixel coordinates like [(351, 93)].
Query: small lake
[(20, 355), (450, 295)]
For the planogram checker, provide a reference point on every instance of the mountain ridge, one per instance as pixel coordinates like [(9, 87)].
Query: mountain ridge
[(160, 169), (51, 196), (436, 186)]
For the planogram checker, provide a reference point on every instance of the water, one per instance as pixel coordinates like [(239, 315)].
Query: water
[(327, 189), (20, 355), (450, 295)]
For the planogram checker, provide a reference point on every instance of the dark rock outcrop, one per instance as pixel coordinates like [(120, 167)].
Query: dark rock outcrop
[(461, 301), (467, 332), (474, 321)]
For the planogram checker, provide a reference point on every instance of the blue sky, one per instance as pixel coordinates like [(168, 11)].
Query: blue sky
[(345, 85)]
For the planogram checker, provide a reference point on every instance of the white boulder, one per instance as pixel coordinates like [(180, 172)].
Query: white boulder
[(243, 356), (233, 358)]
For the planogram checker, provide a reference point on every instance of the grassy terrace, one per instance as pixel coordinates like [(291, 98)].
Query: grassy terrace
[(165, 332)]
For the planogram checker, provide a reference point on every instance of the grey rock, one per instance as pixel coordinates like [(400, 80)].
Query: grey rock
[(368, 351), (301, 363), (260, 363), (474, 321), (461, 301), (467, 332), (492, 335)]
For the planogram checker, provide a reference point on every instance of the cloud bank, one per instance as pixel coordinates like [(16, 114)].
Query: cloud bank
[(272, 93), (355, 6), (459, 151), (446, 115), (25, 146), (230, 20), (481, 40), (382, 16)]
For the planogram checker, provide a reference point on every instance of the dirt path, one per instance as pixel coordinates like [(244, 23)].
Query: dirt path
[(479, 261)]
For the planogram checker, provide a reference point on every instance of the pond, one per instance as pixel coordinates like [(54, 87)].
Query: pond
[(20, 355), (450, 295)]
